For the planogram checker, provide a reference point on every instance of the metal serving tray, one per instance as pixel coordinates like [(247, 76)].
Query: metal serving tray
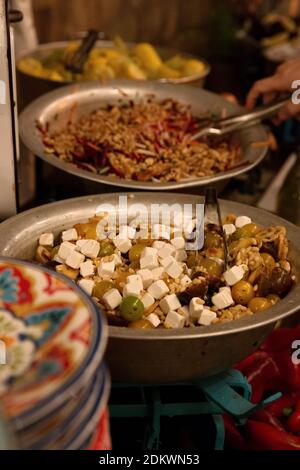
[(55, 107)]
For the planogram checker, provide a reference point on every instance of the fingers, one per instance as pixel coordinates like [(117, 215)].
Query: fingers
[(288, 111), (269, 97), (261, 87)]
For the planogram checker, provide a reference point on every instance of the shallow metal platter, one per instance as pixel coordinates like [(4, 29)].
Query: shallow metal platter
[(161, 355), (56, 107)]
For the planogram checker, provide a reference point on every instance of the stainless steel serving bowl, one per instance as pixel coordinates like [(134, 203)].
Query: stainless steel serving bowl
[(56, 108), (155, 356), (43, 51)]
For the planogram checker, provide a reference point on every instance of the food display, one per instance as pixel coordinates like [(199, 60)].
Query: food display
[(139, 62), (144, 140), (147, 280)]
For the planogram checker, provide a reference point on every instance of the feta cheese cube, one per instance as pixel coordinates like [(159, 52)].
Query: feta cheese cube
[(174, 320), (70, 235), (170, 302), (87, 268), (65, 249), (58, 259), (196, 308), (174, 270), (154, 319), (180, 255), (225, 289), (189, 226), (131, 289), (242, 220), (126, 232), (147, 300), (160, 231), (184, 311), (90, 248), (147, 277), (112, 298), (157, 273), (142, 234), (178, 243), (158, 244), (46, 239), (75, 259), (79, 244), (122, 244), (207, 317), (106, 267), (149, 251), (167, 261), (185, 280), (149, 262), (158, 289), (223, 298), (166, 251), (229, 229), (234, 275), (136, 280), (117, 259), (87, 285)]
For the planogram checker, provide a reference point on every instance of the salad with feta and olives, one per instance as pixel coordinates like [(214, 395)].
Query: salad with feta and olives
[(144, 283)]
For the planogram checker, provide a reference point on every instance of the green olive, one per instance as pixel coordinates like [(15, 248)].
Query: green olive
[(121, 279), (211, 266), (213, 240), (136, 251), (215, 252), (101, 287), (259, 304), (134, 265), (269, 261), (242, 292), (247, 231), (54, 251), (106, 248), (132, 308)]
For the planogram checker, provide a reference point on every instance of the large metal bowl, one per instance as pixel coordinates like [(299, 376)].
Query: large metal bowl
[(56, 108), (161, 355), (31, 87), (43, 51)]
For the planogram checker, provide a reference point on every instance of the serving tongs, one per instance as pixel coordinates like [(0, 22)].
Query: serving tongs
[(220, 127), (76, 64), (212, 215)]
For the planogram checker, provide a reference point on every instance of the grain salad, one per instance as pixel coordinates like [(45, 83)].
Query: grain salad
[(145, 140), (141, 282)]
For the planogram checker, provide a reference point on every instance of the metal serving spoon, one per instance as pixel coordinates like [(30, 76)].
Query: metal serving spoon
[(220, 127), (212, 215), (81, 54)]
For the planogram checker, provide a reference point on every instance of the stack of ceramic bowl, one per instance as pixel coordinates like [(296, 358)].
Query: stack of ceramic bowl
[(54, 386)]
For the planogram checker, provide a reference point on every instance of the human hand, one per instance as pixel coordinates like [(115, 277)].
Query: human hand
[(269, 88)]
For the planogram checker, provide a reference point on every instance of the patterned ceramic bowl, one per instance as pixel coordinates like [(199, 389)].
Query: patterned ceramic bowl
[(52, 339), (49, 429)]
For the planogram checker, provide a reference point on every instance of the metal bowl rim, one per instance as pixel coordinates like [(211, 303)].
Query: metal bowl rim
[(40, 103), (290, 302)]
